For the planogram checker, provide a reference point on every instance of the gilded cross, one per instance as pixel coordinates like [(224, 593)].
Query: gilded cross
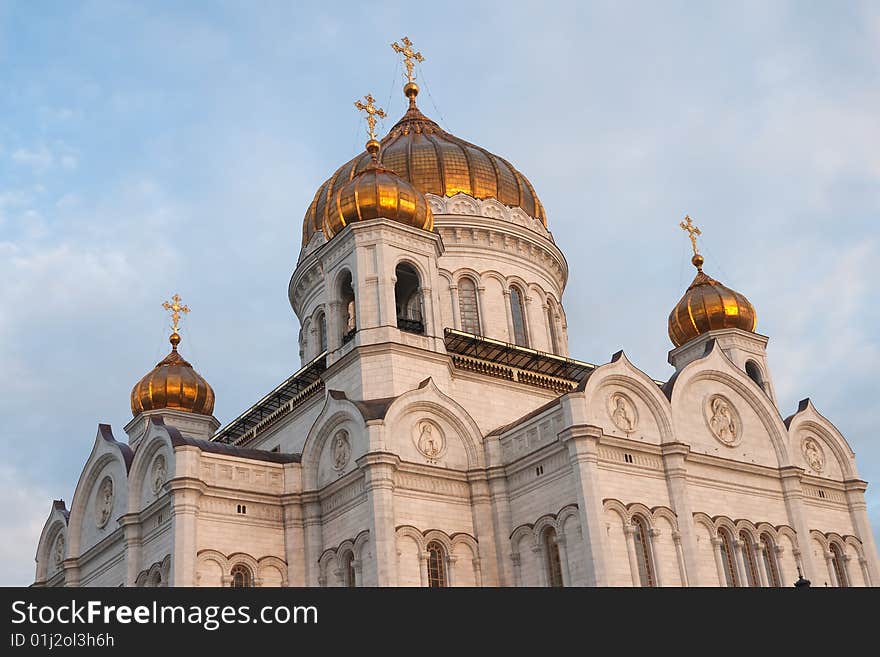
[(408, 56), (372, 112), (692, 230), (176, 308)]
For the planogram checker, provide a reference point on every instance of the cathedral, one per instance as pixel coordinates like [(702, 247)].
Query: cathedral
[(439, 434)]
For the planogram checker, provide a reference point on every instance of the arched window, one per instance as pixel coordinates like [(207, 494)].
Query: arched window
[(837, 561), (727, 558), (348, 570), (242, 577), (770, 560), (644, 558), (750, 558), (436, 565), (156, 580), (321, 326), (408, 299), (754, 373), (551, 322), (348, 307), (467, 306), (518, 315), (551, 554)]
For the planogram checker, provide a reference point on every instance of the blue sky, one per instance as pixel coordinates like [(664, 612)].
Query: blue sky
[(148, 148)]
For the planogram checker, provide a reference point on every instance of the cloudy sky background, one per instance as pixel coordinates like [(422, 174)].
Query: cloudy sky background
[(152, 148)]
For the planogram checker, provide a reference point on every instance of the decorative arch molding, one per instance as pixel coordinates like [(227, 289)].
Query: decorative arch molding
[(529, 537), (808, 419), (428, 398), (228, 562), (105, 450), (717, 367), (650, 514), (464, 204), (332, 562), (156, 441), (621, 372), (157, 575), (54, 527), (418, 268), (338, 410), (449, 542)]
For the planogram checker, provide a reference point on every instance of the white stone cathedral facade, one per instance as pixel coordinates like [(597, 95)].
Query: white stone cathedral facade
[(439, 434)]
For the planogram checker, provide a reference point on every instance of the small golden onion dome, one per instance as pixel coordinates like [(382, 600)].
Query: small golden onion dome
[(377, 192), (434, 162), (173, 383), (708, 305)]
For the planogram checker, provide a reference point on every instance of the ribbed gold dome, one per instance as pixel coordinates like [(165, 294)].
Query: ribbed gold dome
[(708, 305), (377, 192), (435, 162), (173, 383)]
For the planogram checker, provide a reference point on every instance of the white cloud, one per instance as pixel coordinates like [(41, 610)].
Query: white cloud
[(40, 158)]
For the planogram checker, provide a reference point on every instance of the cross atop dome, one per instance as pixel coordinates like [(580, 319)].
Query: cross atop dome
[(409, 55)]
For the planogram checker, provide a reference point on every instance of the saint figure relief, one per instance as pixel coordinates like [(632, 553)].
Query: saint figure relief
[(158, 473), (813, 455), (722, 422), (621, 415), (104, 502), (341, 450), (429, 444), (59, 550)]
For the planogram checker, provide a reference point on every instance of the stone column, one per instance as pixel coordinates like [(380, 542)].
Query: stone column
[(679, 556), (423, 568), (481, 515), (517, 572), (131, 527), (583, 448), (629, 532), (563, 559), (540, 565), (450, 570), (654, 533), (675, 464), (719, 562), (481, 305), (71, 572), (739, 562), (829, 563), (761, 556), (335, 327), (456, 312), (313, 535), (500, 507), (185, 496), (858, 511), (510, 334), (294, 540), (379, 471), (428, 309), (793, 494), (358, 576)]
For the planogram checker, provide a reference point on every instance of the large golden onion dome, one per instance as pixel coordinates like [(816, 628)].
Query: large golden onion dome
[(434, 162), (377, 192), (173, 383), (708, 305)]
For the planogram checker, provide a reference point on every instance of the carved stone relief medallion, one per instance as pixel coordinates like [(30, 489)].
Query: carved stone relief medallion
[(429, 440), (813, 454), (623, 412), (341, 450), (59, 550), (158, 474), (723, 420), (104, 502)]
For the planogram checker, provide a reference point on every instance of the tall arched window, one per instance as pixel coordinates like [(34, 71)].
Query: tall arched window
[(241, 577), (551, 554), (467, 306), (321, 326), (644, 558), (348, 570), (727, 558), (518, 315), (837, 561), (408, 299), (754, 373), (348, 307), (770, 560), (551, 322), (436, 565), (750, 558)]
